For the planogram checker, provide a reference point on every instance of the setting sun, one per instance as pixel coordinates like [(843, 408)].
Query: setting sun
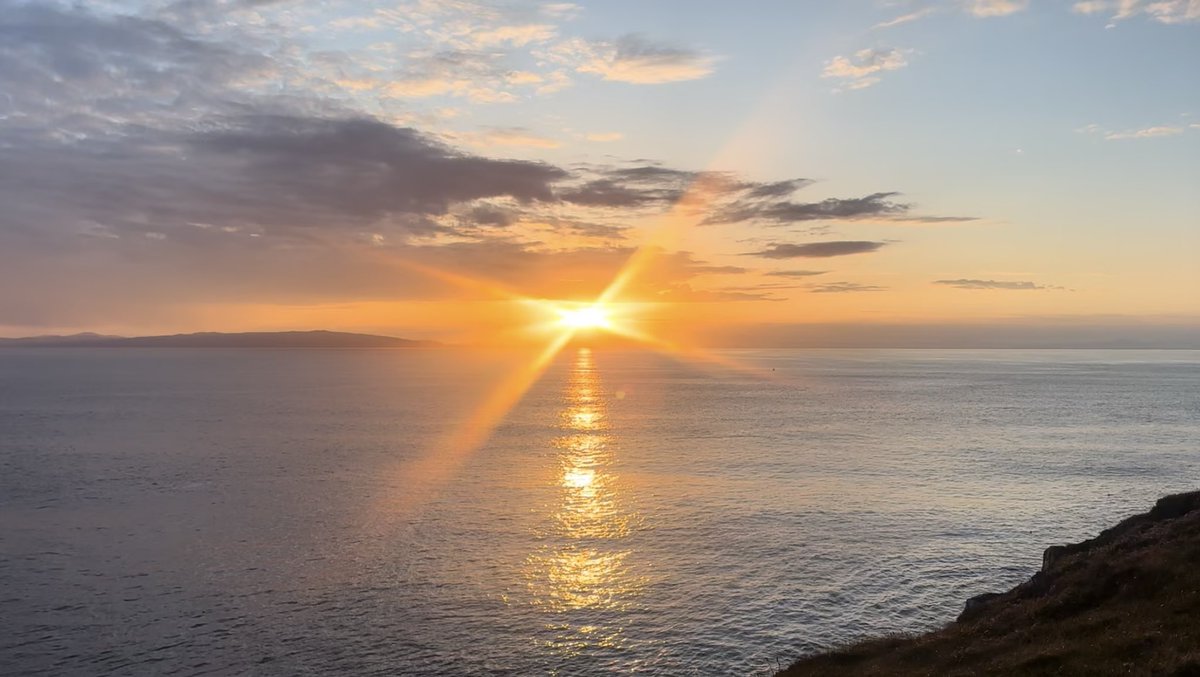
[(587, 317)]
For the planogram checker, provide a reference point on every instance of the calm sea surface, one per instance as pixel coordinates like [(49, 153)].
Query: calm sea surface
[(312, 512)]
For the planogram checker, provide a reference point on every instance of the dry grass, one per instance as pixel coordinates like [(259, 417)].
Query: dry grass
[(1124, 603)]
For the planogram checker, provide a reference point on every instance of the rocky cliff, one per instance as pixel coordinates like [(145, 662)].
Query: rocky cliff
[(1124, 603)]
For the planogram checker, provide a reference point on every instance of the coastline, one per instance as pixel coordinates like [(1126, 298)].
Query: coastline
[(1124, 602)]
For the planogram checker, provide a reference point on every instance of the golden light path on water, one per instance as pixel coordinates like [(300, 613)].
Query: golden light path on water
[(584, 571)]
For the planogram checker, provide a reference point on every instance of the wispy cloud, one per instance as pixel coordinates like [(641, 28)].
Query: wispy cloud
[(1153, 132), (777, 211), (634, 59), (862, 69), (516, 35), (1147, 133), (844, 288), (505, 136), (796, 273), (1014, 285), (1162, 11), (818, 250), (994, 8), (905, 18)]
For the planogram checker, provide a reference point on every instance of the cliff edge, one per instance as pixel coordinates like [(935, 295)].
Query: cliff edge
[(1126, 602)]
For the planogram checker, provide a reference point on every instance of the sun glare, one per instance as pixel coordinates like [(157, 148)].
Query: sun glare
[(587, 317)]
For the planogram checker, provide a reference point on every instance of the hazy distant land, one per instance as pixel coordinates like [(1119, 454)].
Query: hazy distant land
[(819, 335), (255, 339)]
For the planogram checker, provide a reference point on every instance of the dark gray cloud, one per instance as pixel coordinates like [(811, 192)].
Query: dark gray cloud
[(782, 212), (844, 288), (651, 185), (653, 173), (760, 288), (647, 185), (817, 250), (367, 167), (270, 175), (116, 126), (609, 193), (776, 189), (488, 215), (993, 284)]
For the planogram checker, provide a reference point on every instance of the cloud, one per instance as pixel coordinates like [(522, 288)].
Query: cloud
[(264, 176), (905, 18), (365, 164), (862, 68), (777, 189), (993, 8), (506, 136), (1091, 6), (993, 284), (516, 36), (728, 198), (1155, 131), (722, 197), (796, 273), (818, 249), (634, 59), (1147, 133), (490, 215), (643, 185), (608, 193), (567, 10), (65, 66), (1162, 11), (782, 212), (523, 78), (844, 288), (473, 74)]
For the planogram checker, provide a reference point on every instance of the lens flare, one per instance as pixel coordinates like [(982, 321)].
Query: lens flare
[(587, 317)]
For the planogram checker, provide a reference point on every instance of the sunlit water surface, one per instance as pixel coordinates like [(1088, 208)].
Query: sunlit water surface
[(277, 512)]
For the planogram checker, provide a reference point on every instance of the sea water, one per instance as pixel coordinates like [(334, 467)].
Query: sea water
[(411, 512)]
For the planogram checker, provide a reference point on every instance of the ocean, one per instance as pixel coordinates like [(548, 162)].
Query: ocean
[(313, 512)]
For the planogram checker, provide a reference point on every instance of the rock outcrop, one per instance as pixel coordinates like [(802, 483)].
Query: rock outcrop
[(1126, 602)]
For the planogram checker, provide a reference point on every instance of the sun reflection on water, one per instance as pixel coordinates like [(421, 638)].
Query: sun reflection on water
[(583, 578)]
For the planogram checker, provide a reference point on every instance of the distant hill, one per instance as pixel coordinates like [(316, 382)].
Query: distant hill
[(1123, 603), (56, 340), (256, 339)]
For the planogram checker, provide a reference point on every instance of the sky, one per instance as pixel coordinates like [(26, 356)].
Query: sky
[(431, 169)]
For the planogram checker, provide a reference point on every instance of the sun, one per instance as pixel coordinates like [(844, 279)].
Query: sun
[(586, 317)]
